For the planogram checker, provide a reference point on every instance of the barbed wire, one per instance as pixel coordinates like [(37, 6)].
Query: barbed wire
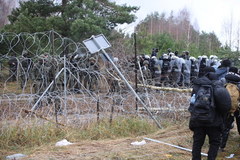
[(67, 84)]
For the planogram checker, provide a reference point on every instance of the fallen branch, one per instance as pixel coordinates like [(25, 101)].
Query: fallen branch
[(188, 90), (166, 88), (164, 109)]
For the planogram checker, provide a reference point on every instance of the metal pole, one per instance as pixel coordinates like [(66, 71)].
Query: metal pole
[(52, 38), (135, 51), (144, 84), (56, 114), (98, 111), (35, 105), (65, 86), (130, 87), (182, 148), (111, 115)]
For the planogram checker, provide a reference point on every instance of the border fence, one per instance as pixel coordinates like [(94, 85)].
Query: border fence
[(59, 80)]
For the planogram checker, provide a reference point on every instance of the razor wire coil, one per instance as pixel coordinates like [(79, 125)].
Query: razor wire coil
[(30, 62)]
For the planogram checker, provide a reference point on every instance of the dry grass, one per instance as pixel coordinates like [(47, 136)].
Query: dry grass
[(120, 148), (103, 141), (107, 144), (24, 138)]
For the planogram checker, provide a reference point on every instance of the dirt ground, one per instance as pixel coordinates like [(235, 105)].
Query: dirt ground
[(121, 149), (117, 149)]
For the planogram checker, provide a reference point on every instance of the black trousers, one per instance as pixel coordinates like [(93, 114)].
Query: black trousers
[(237, 117), (228, 124), (199, 135)]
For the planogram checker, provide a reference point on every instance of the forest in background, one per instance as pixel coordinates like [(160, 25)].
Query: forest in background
[(79, 19)]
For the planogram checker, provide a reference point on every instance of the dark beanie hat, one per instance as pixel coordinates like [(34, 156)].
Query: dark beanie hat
[(226, 63), (233, 69), (208, 69)]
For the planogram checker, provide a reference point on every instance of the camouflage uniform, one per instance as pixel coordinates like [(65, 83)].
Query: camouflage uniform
[(25, 70), (43, 73), (40, 75), (77, 68), (114, 84), (13, 64), (58, 86), (146, 72), (91, 77)]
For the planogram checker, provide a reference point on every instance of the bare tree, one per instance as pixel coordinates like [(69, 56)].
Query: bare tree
[(238, 37), (6, 7), (228, 31), (162, 21), (177, 25), (3, 12), (185, 27)]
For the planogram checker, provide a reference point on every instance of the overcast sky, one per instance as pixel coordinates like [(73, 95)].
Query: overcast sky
[(210, 14)]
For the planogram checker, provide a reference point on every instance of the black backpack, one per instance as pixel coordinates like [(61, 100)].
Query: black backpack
[(203, 109)]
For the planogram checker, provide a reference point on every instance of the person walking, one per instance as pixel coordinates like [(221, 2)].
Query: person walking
[(232, 83), (207, 112)]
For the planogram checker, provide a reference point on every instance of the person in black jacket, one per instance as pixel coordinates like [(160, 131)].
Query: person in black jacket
[(212, 130), (231, 77)]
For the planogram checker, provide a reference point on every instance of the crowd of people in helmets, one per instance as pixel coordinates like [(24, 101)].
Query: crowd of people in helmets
[(186, 70), (173, 69)]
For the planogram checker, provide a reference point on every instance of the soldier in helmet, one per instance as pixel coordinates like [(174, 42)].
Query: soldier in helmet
[(169, 52), (41, 74), (25, 70), (154, 52), (214, 62), (176, 70), (194, 68), (155, 70), (36, 76), (186, 69), (141, 59), (185, 55), (165, 68), (114, 83), (202, 64), (146, 72), (78, 72)]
